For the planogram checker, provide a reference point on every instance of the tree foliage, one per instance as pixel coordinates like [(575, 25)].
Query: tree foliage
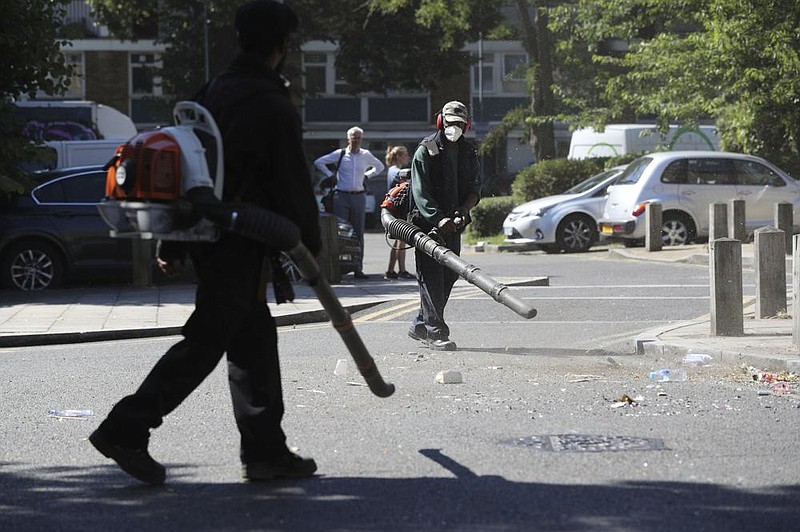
[(30, 46), (733, 61)]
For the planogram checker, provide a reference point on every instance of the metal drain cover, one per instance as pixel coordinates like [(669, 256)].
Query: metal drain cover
[(582, 443)]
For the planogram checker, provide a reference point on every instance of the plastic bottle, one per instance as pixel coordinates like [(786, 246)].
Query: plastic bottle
[(668, 375), (76, 414)]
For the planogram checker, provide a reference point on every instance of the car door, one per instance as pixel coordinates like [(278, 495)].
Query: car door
[(761, 188), (70, 202), (708, 180)]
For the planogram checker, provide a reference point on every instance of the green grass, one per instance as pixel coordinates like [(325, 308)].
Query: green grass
[(471, 238)]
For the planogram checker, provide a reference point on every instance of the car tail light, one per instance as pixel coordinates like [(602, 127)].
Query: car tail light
[(639, 210)]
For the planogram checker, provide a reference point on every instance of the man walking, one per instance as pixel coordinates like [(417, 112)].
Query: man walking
[(264, 165), (353, 165), (445, 185)]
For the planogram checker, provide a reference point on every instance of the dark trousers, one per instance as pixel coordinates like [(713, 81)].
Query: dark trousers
[(228, 319), (435, 284)]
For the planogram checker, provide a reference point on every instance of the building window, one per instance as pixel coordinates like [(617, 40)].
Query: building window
[(77, 85), (514, 69), (146, 75), (485, 82), (315, 67)]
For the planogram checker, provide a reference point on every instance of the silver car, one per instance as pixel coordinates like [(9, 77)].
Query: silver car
[(686, 183), (564, 222)]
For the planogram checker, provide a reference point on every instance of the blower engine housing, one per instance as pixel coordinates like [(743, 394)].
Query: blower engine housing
[(151, 173)]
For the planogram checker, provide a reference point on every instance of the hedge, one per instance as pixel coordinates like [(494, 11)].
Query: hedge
[(489, 214)]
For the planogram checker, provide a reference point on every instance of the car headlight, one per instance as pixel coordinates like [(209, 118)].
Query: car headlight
[(346, 230), (537, 212)]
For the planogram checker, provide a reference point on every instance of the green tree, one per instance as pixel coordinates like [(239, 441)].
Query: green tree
[(32, 62), (734, 61)]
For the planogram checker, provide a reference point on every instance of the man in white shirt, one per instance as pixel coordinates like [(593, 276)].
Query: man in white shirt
[(355, 165)]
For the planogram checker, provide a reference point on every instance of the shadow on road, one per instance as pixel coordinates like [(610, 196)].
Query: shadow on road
[(102, 498)]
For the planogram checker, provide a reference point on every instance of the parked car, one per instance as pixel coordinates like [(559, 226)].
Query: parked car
[(564, 222), (686, 183), (54, 233)]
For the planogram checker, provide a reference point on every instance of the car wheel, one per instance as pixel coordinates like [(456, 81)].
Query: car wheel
[(576, 233), (676, 230), (32, 265), (290, 268)]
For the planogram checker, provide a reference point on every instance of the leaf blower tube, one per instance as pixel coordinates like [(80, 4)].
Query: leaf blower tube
[(281, 233), (414, 236)]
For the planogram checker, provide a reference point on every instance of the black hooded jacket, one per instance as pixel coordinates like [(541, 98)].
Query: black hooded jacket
[(263, 145)]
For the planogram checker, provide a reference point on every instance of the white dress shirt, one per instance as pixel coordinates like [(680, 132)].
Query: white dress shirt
[(354, 168)]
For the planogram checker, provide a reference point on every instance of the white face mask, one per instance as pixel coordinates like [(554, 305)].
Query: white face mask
[(453, 133)]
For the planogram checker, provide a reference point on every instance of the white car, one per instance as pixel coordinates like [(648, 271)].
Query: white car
[(564, 222), (686, 183)]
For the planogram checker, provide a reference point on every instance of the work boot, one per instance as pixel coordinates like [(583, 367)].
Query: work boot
[(288, 466), (414, 335), (439, 344), (136, 462)]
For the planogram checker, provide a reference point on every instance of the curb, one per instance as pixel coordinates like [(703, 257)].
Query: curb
[(650, 343), (30, 340)]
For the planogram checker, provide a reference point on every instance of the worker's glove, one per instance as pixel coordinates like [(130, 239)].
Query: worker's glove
[(447, 225)]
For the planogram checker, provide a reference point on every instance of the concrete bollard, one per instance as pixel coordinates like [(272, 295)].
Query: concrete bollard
[(653, 223), (770, 264), (736, 220), (725, 272), (784, 220), (143, 255), (796, 290), (717, 221)]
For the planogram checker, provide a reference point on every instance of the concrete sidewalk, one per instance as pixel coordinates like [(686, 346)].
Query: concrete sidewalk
[(767, 344), (116, 312)]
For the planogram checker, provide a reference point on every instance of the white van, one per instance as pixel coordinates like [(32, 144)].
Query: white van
[(72, 133), (67, 153), (44, 120), (622, 139)]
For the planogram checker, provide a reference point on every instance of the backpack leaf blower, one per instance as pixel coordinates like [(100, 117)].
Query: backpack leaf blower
[(159, 186), (397, 203)]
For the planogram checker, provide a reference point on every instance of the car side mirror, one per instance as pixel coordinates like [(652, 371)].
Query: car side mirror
[(609, 189)]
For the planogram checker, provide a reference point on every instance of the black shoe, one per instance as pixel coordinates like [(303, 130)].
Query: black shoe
[(390, 276), (414, 336), (360, 275), (136, 462), (405, 275), (289, 466), (441, 345)]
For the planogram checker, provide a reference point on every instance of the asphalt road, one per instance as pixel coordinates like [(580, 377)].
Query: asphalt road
[(533, 438)]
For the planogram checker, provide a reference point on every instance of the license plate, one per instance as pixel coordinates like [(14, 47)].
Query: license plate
[(606, 229)]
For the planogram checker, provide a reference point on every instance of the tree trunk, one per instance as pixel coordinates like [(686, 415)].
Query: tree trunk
[(538, 43)]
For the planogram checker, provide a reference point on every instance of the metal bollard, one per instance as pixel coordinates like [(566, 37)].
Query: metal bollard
[(653, 223), (725, 272), (770, 264)]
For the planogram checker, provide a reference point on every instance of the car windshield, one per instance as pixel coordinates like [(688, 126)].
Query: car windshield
[(634, 171), (590, 183)]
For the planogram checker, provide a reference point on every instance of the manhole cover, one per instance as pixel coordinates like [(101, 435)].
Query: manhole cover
[(582, 443)]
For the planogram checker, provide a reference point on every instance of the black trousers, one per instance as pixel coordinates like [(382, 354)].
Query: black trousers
[(435, 284), (228, 319)]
